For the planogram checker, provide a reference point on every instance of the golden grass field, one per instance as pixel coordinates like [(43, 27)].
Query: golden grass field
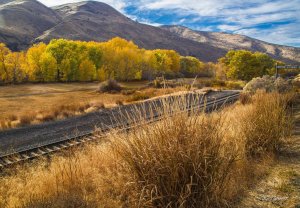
[(186, 161), (35, 103)]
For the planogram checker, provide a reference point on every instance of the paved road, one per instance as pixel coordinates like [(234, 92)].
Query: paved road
[(21, 139)]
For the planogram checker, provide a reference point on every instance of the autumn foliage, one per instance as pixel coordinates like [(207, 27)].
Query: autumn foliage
[(66, 60)]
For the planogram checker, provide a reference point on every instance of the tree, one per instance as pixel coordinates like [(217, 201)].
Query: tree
[(4, 51), (33, 58), (86, 70), (15, 66), (68, 60), (48, 67), (191, 66), (246, 65)]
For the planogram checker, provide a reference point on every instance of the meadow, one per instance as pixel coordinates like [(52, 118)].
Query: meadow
[(27, 104)]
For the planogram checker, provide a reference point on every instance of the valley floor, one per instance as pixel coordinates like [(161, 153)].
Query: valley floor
[(281, 187)]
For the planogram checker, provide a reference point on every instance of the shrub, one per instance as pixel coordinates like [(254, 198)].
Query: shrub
[(296, 82), (266, 124), (177, 164), (12, 117), (157, 83), (128, 92), (119, 102), (139, 96), (218, 83), (26, 119), (235, 85), (47, 117), (245, 98), (98, 105), (188, 87), (3, 124), (109, 86), (281, 85), (269, 84)]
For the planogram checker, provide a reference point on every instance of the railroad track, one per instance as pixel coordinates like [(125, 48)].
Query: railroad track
[(29, 154)]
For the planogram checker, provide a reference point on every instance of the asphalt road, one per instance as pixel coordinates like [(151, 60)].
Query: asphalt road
[(22, 139)]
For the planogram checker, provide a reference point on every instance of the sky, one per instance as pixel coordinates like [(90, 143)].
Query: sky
[(274, 21)]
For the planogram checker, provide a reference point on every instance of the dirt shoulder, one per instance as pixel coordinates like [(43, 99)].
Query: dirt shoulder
[(281, 188)]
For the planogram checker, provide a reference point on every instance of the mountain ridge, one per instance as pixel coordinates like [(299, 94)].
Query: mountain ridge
[(33, 22)]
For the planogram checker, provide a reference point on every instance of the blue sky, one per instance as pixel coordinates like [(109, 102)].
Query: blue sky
[(275, 21)]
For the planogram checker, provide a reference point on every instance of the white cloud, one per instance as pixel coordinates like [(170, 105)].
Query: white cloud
[(236, 16), (229, 27), (283, 35)]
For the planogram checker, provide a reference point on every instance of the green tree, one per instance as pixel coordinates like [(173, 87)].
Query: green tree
[(246, 65), (48, 67), (191, 66)]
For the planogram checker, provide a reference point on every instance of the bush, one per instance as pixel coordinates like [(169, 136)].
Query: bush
[(245, 98), (119, 103), (98, 105), (177, 164), (128, 92), (268, 84), (238, 85), (109, 86), (266, 124), (157, 83), (12, 117), (47, 117), (218, 83), (281, 85), (26, 119)]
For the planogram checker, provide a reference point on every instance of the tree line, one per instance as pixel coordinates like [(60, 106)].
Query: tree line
[(65, 61)]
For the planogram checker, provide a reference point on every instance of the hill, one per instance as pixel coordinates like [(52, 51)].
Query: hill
[(236, 42), (25, 22)]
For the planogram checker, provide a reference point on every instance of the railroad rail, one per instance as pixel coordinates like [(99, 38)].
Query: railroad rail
[(29, 154)]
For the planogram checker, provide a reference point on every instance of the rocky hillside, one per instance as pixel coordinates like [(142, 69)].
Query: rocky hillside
[(24, 22), (235, 42), (21, 21)]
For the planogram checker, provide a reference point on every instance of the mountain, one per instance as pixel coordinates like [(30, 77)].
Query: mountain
[(237, 42), (98, 21), (24, 22)]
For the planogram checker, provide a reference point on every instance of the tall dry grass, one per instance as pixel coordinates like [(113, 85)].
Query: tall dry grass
[(187, 160), (180, 162), (267, 123)]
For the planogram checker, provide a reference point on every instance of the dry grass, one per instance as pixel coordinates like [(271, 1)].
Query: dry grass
[(245, 98), (31, 104), (177, 164), (188, 160), (266, 124)]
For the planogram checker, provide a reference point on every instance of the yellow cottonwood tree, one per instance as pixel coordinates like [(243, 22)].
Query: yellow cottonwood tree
[(15, 67), (48, 67), (86, 70), (33, 58), (4, 51)]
